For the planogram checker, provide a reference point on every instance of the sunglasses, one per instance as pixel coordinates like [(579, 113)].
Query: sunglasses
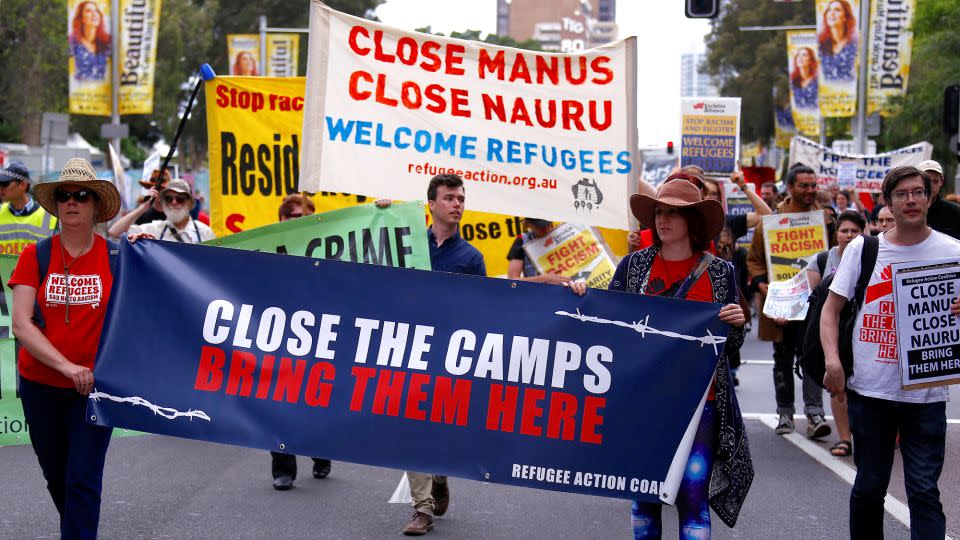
[(81, 195), (179, 198)]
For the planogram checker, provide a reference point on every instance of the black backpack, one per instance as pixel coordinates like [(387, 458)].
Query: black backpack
[(810, 360), (43, 266)]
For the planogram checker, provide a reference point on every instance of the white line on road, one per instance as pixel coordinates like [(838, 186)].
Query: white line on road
[(761, 416), (894, 507)]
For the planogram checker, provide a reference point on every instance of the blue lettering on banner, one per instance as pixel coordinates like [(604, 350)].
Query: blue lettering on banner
[(382, 366), (586, 161)]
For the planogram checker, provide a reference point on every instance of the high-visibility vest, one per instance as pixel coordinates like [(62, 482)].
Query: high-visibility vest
[(17, 232)]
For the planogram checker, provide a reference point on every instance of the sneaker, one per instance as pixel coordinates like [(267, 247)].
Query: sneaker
[(283, 483), (321, 468), (441, 497), (785, 425), (419, 524), (817, 426)]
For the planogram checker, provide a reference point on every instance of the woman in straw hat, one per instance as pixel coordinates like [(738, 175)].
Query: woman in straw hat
[(678, 265), (58, 319)]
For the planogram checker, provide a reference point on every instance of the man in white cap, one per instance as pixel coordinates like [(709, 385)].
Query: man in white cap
[(177, 200), (22, 220), (943, 215)]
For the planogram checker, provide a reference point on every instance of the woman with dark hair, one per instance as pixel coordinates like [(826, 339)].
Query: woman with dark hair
[(803, 79), (838, 41), (678, 265), (61, 288), (89, 43), (244, 65)]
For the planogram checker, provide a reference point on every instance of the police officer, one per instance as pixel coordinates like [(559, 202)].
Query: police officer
[(22, 220)]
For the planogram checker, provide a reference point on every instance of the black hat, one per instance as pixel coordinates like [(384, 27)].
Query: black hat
[(15, 170)]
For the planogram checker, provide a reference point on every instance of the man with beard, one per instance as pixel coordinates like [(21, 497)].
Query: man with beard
[(943, 215), (177, 201), (802, 189)]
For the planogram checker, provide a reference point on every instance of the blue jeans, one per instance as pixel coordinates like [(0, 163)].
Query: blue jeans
[(923, 428), (71, 453)]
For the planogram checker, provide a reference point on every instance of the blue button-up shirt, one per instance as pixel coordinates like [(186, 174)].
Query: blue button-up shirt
[(455, 255)]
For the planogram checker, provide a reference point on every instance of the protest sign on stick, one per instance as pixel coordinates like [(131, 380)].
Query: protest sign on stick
[(928, 334), (531, 133), (869, 169), (789, 239), (383, 364), (574, 251), (710, 134)]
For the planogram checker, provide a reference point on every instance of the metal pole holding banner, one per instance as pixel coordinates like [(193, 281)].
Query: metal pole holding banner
[(263, 45), (115, 70), (860, 135), (206, 73)]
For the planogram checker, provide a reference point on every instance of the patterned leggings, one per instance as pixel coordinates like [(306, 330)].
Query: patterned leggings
[(692, 505)]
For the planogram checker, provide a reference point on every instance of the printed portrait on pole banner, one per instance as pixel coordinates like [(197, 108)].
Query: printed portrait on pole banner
[(90, 47)]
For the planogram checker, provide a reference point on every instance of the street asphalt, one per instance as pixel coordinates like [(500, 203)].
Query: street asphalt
[(163, 487)]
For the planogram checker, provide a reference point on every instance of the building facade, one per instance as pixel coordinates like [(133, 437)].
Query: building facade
[(559, 25), (694, 82)]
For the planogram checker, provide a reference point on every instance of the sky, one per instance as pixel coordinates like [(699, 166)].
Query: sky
[(663, 34)]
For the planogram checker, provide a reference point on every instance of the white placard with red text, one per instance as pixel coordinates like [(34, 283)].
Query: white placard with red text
[(531, 133)]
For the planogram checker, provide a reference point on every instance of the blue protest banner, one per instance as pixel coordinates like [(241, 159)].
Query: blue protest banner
[(487, 379)]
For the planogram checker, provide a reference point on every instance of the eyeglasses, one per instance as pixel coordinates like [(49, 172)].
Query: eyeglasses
[(179, 198), (918, 194), (81, 195), (807, 185)]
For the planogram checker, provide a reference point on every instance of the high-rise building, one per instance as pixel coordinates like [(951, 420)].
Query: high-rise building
[(694, 81), (559, 25)]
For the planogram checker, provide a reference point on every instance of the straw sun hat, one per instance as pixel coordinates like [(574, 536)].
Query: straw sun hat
[(679, 192), (78, 172)]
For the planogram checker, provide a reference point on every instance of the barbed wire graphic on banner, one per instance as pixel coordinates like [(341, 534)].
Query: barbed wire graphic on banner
[(166, 412), (644, 328)]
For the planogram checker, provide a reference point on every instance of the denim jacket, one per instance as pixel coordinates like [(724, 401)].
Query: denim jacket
[(733, 466)]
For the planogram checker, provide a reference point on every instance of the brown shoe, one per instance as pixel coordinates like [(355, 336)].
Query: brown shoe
[(441, 497), (419, 525)]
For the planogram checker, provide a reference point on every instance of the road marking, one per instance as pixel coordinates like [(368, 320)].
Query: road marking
[(762, 416), (894, 507)]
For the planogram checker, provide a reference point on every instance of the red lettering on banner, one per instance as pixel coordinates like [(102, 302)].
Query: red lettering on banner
[(363, 376), (318, 392), (415, 396), (451, 401), (562, 422), (486, 64), (531, 411), (210, 369), (598, 65), (502, 407), (429, 51), (234, 221), (240, 380), (454, 59), (289, 379), (386, 398), (266, 375), (352, 40), (520, 70), (353, 87), (592, 419)]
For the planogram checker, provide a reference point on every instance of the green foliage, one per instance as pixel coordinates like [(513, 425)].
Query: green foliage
[(753, 65), (935, 64), (493, 39)]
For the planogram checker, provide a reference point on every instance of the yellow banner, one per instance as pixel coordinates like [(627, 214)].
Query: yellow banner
[(790, 239), (888, 62), (139, 28), (243, 53), (254, 131), (89, 43), (803, 64), (573, 251), (283, 54), (839, 56)]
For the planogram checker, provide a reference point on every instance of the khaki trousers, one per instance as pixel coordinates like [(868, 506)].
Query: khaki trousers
[(421, 488)]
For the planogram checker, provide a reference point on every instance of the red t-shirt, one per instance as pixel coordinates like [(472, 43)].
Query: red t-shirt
[(667, 276), (90, 282)]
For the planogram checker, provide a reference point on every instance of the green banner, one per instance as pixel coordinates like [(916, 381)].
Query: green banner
[(393, 236)]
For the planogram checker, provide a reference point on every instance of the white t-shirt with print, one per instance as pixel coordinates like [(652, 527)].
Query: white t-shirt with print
[(876, 371)]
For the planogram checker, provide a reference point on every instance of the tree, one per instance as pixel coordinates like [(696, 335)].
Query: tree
[(935, 64), (751, 64), (493, 39)]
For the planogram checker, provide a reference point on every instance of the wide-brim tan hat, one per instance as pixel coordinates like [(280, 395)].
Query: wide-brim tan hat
[(679, 192), (78, 172)]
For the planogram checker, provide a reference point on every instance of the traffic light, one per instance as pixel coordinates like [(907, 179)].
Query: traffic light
[(702, 9), (670, 147)]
